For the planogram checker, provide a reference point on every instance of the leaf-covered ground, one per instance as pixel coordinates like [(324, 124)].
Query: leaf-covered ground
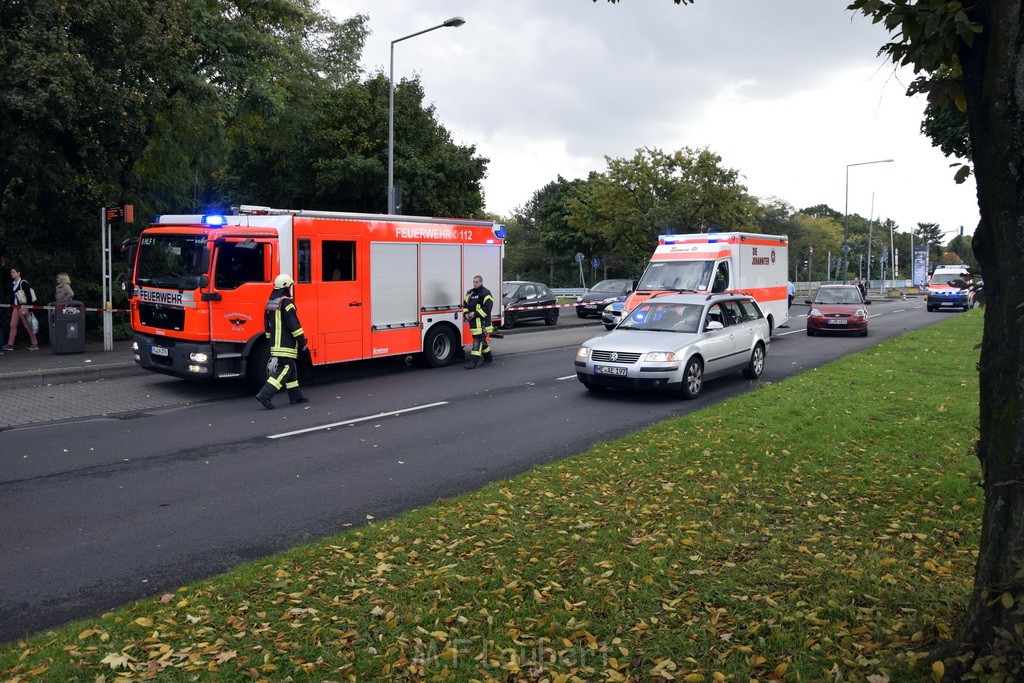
[(821, 529)]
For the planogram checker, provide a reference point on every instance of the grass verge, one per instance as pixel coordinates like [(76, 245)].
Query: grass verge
[(821, 528)]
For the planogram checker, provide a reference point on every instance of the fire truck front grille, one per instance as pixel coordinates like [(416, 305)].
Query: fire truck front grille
[(162, 317)]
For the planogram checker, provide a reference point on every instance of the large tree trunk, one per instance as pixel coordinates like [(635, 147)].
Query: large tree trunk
[(994, 84)]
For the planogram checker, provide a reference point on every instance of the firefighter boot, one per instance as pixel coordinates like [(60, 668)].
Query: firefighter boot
[(472, 364), (295, 396), (266, 396), (488, 358)]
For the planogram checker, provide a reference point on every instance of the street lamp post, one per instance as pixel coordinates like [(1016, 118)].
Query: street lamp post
[(453, 22), (846, 215)]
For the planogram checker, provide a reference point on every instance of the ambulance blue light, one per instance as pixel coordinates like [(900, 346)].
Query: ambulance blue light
[(214, 219), (499, 231)]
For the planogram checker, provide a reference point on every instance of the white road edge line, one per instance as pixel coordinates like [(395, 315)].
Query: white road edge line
[(566, 377), (390, 413)]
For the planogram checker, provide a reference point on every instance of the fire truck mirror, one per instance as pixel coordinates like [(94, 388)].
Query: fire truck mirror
[(204, 281)]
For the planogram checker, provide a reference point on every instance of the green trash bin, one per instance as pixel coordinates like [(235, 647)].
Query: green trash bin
[(67, 327)]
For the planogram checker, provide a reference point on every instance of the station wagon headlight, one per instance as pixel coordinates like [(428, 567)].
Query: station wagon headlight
[(661, 357), (583, 353)]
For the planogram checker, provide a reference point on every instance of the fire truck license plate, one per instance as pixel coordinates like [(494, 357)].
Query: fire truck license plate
[(158, 351), (605, 370)]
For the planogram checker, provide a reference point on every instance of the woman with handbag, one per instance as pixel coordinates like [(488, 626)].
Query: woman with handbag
[(21, 295)]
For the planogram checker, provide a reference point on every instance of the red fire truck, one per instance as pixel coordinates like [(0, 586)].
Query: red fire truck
[(366, 286)]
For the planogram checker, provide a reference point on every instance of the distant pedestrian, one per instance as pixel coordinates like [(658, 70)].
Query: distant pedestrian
[(21, 296), (283, 329), (791, 292), (862, 288), (63, 291), (476, 310)]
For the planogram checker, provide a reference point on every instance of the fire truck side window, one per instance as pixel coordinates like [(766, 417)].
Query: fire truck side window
[(239, 263), (305, 260), (339, 261)]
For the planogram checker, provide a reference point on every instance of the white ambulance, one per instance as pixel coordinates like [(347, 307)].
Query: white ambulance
[(745, 262)]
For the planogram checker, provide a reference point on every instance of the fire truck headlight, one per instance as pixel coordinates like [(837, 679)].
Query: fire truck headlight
[(135, 346), (198, 357), (198, 369)]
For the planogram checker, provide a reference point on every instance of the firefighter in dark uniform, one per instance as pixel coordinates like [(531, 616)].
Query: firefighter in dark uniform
[(476, 310), (283, 329)]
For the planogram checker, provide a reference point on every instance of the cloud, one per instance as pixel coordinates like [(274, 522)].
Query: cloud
[(788, 94)]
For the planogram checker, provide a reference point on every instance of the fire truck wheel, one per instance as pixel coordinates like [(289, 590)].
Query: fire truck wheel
[(438, 347), (256, 368)]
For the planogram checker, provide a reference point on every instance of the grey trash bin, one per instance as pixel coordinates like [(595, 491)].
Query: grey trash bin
[(67, 327)]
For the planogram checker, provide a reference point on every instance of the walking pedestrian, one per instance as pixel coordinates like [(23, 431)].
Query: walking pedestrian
[(283, 329), (862, 288), (63, 289), (476, 310), (21, 296)]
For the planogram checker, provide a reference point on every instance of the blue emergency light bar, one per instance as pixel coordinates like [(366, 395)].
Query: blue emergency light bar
[(214, 219)]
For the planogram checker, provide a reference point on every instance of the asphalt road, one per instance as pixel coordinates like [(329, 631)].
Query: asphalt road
[(100, 510)]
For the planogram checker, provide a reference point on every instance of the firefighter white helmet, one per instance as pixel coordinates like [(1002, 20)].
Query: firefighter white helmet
[(283, 280)]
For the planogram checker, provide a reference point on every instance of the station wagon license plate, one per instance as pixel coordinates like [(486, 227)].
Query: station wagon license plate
[(606, 370), (836, 322), (158, 351)]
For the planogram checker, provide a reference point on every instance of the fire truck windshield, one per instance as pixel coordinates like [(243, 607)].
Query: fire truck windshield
[(676, 275), (171, 261)]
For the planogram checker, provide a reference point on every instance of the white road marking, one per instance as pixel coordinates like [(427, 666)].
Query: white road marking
[(567, 377), (390, 413)]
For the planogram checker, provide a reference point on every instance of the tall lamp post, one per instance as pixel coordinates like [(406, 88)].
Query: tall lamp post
[(846, 215), (453, 22)]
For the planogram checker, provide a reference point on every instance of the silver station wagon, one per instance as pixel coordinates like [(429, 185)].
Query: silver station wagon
[(676, 343)]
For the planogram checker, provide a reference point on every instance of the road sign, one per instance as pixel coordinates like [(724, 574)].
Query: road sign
[(120, 214), (595, 262), (580, 256)]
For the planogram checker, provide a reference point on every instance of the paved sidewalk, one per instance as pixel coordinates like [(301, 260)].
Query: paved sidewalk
[(23, 368)]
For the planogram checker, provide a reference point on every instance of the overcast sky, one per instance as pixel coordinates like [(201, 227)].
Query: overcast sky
[(787, 93)]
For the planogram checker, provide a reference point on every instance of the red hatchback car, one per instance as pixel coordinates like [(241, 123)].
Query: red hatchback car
[(837, 308)]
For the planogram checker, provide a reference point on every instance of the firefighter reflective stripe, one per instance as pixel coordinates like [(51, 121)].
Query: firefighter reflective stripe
[(276, 346), (282, 326), (278, 381)]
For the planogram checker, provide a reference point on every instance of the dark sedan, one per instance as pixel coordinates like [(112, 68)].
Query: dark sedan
[(522, 300), (601, 295)]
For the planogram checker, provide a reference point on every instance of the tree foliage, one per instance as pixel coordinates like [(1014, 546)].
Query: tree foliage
[(983, 41), (180, 106), (655, 193)]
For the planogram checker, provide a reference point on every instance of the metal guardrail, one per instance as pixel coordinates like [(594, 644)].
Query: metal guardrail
[(568, 291)]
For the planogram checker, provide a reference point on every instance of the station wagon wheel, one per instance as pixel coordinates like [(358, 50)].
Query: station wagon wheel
[(756, 365), (551, 317), (693, 378)]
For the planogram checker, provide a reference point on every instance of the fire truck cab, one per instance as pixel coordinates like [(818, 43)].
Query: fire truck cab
[(366, 286)]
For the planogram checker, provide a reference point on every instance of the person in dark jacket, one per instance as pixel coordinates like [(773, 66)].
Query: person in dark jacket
[(21, 295), (476, 310), (283, 329)]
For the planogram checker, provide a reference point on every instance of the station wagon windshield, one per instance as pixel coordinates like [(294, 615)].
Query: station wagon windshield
[(171, 261), (684, 318), (679, 276)]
